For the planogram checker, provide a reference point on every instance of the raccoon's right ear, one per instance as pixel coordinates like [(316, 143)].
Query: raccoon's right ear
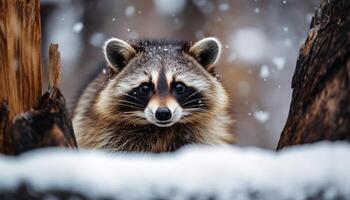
[(206, 51), (118, 53)]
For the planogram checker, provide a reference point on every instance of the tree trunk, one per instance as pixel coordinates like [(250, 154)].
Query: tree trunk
[(21, 84), (20, 65), (320, 107)]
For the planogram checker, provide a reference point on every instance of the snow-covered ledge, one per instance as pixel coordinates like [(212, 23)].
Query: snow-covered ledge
[(319, 170)]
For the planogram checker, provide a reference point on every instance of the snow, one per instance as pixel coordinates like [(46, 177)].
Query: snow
[(169, 7), (78, 27), (257, 10), (97, 39), (279, 62), (264, 72), (223, 172), (130, 11), (224, 7), (261, 116), (250, 44)]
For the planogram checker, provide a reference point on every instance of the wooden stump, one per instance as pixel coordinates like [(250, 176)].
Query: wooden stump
[(23, 128), (20, 64), (48, 125), (320, 107)]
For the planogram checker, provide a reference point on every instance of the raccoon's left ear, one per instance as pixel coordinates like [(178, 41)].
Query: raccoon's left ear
[(206, 51), (118, 53)]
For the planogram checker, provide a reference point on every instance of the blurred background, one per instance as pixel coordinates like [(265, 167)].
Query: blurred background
[(261, 41)]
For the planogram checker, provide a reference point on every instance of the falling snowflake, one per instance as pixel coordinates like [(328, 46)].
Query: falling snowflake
[(279, 62), (287, 42), (97, 39), (169, 7), (249, 43), (224, 7), (78, 27), (261, 116), (130, 11), (264, 72)]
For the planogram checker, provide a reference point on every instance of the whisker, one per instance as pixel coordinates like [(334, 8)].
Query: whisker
[(150, 110), (130, 106), (133, 119), (129, 102), (193, 94), (135, 98), (195, 110), (176, 108), (129, 114), (191, 101)]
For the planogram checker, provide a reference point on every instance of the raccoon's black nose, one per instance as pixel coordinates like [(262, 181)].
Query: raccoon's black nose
[(163, 114)]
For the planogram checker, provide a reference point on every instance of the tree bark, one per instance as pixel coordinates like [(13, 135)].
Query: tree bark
[(23, 128), (48, 125), (20, 65), (320, 107)]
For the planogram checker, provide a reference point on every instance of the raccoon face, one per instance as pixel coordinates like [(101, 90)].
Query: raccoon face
[(161, 83)]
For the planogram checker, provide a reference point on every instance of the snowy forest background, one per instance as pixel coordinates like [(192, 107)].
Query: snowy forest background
[(260, 38)]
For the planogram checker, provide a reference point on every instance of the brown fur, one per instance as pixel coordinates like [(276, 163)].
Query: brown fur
[(98, 125)]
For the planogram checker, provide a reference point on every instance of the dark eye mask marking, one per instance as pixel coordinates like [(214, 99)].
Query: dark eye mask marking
[(134, 100), (191, 98)]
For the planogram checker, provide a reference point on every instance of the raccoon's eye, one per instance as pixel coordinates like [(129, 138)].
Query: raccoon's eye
[(145, 89), (179, 88)]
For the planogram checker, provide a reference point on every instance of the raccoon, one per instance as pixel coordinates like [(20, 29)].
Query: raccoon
[(154, 96)]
